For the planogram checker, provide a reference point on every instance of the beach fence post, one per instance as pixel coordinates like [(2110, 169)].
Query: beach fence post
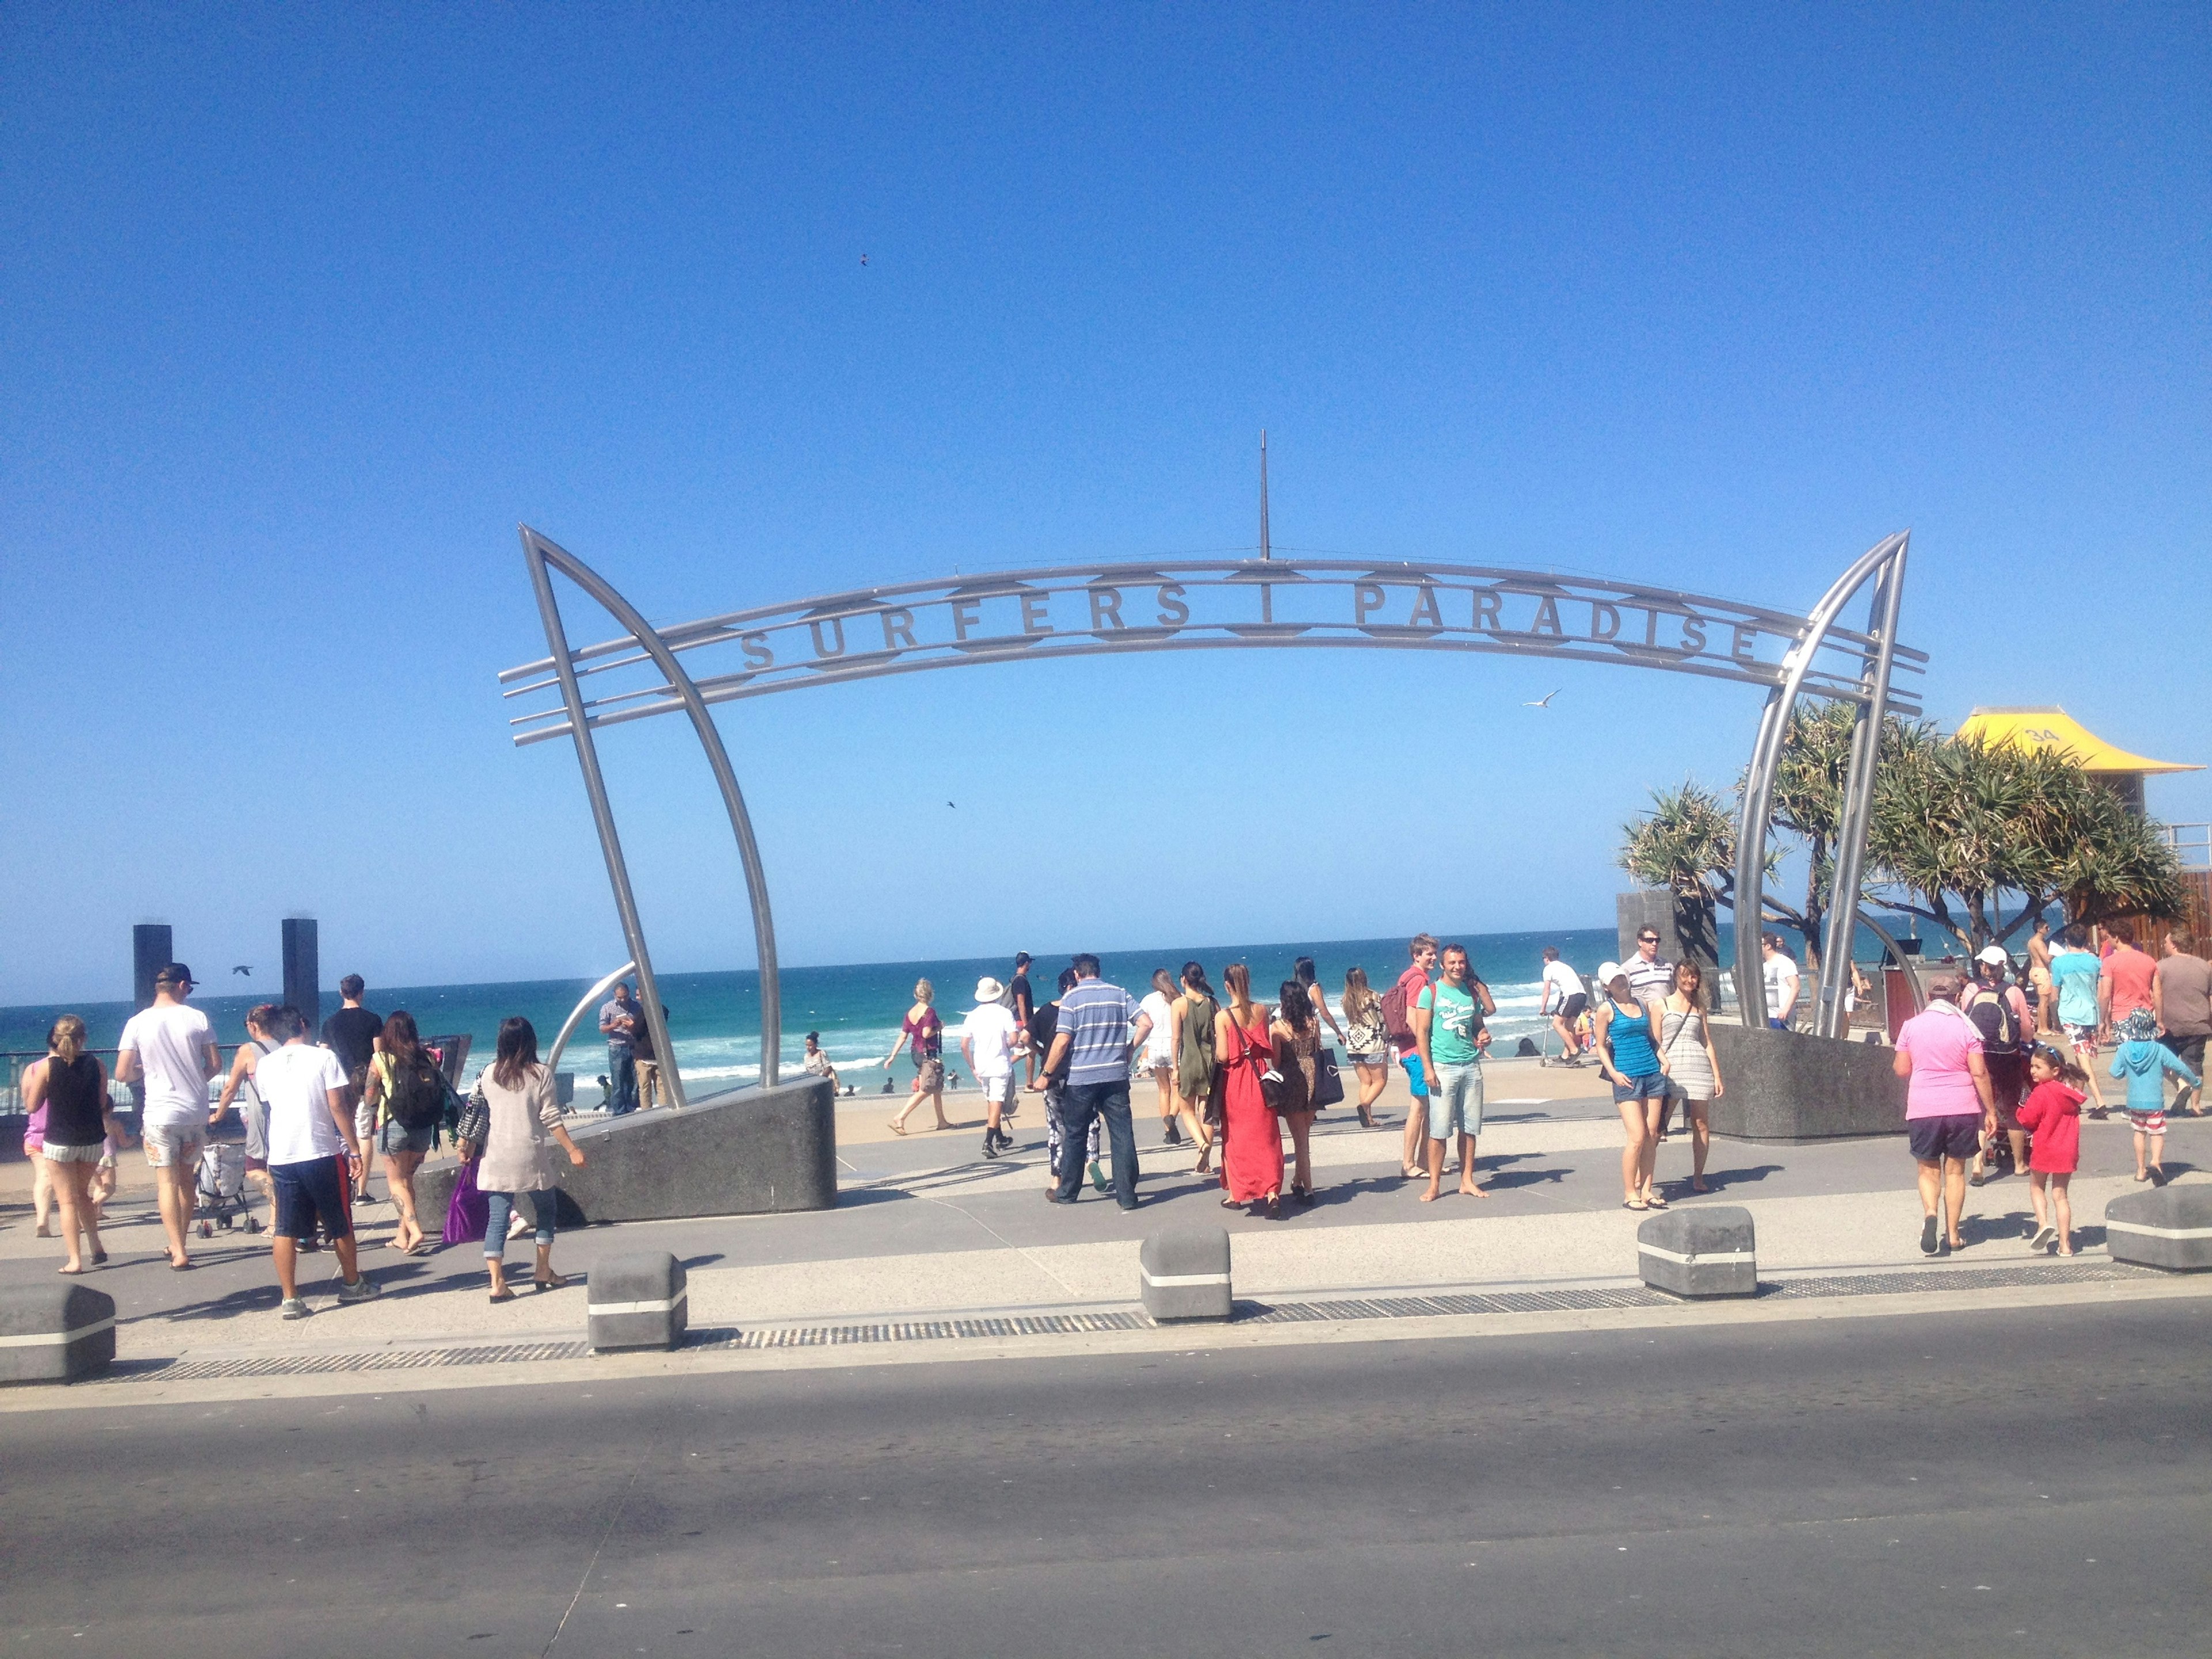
[(153, 947), (303, 969)]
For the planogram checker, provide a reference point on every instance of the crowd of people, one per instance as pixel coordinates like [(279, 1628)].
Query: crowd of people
[(312, 1113)]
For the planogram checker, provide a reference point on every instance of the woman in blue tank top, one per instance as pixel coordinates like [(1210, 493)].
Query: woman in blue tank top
[(1627, 1052)]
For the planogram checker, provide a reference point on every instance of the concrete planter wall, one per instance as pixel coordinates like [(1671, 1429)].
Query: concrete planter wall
[(1789, 1086)]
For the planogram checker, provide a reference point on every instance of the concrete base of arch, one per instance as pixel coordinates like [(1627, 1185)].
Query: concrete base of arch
[(1790, 1086)]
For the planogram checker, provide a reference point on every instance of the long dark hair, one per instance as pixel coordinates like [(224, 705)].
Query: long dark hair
[(1297, 1010), (1194, 979), (1359, 995), (401, 1040), (1303, 971), (518, 1052)]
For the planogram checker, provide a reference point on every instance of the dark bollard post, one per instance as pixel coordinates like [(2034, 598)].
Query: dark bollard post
[(303, 969), (152, 949)]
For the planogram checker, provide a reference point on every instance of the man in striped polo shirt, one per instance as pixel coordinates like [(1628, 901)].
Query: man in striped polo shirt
[(1099, 1025), (1650, 979)]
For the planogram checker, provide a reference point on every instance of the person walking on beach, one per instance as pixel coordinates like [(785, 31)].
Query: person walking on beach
[(815, 1063), (1099, 1024), (1398, 1014), (169, 1049), (1628, 1036), (988, 1043), (923, 1033), (2144, 1061), (70, 1087), (1693, 1070), (2052, 1113), (518, 1095), (621, 1019), (2078, 975), (1448, 1022), (309, 1122), (1999, 1010), (1156, 1058), (253, 1110), (1367, 1040), (2183, 987), (406, 1086), (1295, 1035), (1947, 1100), (1564, 1001), (1021, 1002), (1779, 970), (351, 1034), (1251, 1138), (1197, 1074)]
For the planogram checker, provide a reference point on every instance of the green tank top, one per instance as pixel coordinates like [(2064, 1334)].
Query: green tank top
[(1194, 1056)]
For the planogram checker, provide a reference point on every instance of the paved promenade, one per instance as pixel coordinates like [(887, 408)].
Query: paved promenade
[(927, 1228)]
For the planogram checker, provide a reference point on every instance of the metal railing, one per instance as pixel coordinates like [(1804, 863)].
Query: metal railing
[(2191, 844)]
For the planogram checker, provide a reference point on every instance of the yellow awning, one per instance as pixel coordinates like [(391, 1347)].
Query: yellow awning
[(2054, 728)]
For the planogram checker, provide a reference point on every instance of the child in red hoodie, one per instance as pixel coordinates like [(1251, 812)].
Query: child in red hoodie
[(2052, 1115)]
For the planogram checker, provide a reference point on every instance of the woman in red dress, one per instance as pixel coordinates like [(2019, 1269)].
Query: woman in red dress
[(1252, 1154)]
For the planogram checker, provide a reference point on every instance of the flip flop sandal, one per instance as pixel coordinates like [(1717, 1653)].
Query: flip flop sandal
[(1633, 1204)]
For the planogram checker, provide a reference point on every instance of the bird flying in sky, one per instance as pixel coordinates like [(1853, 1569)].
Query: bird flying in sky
[(1544, 702), (248, 972)]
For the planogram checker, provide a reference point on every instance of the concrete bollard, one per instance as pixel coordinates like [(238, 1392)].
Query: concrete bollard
[(1183, 1273), (55, 1332), (2168, 1227), (636, 1301), (1707, 1249)]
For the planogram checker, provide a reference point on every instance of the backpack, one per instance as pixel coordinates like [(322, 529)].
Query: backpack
[(1397, 1018), (415, 1093), (2000, 1030)]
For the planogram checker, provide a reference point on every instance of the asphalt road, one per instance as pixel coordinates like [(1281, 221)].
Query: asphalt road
[(1996, 1482)]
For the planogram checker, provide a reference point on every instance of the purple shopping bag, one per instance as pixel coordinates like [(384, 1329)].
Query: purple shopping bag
[(469, 1211)]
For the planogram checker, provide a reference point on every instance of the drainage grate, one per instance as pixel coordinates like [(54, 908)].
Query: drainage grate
[(730, 1339)]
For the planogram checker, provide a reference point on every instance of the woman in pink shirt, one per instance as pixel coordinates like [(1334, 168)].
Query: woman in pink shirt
[(1947, 1094)]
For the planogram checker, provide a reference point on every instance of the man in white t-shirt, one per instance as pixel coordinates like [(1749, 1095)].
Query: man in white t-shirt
[(1564, 1000), (1780, 969), (169, 1050), (988, 1043), (304, 1089)]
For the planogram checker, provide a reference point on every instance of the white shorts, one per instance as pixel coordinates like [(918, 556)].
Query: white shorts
[(176, 1145)]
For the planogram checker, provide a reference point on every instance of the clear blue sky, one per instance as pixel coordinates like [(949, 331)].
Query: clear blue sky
[(303, 308)]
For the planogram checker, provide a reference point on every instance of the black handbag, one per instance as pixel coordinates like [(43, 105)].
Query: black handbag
[(1328, 1082)]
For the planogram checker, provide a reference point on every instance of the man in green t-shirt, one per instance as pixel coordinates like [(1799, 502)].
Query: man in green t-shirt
[(1447, 1026)]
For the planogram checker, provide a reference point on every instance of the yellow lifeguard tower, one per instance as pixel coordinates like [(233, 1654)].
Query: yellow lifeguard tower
[(2054, 728)]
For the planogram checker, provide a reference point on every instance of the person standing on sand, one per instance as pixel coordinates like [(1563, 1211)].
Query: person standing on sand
[(1251, 1138), (70, 1087), (1692, 1068), (1398, 1012), (170, 1048), (986, 1042), (923, 1032), (2184, 988), (1099, 1025), (1939, 1053), (1197, 1073), (1448, 1022), (621, 1019), (309, 1120), (1367, 1040)]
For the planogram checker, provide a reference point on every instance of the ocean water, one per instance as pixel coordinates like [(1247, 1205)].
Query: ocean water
[(714, 1018)]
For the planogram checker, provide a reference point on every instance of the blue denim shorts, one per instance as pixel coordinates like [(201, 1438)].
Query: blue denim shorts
[(1652, 1086), (1456, 1102)]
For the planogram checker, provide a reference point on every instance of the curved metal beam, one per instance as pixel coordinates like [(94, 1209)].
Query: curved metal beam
[(590, 1000), (1765, 758), (541, 552)]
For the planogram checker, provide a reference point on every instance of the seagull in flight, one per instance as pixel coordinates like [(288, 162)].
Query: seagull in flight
[(248, 972), (1544, 702)]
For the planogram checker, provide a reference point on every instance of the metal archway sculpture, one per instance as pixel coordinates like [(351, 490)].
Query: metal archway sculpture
[(1186, 604)]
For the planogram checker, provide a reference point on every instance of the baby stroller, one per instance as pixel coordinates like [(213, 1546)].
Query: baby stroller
[(222, 1188)]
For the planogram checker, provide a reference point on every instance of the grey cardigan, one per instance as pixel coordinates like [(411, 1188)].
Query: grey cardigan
[(514, 1158)]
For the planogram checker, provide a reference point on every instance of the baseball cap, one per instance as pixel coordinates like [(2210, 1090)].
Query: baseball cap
[(175, 973), (1995, 955)]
